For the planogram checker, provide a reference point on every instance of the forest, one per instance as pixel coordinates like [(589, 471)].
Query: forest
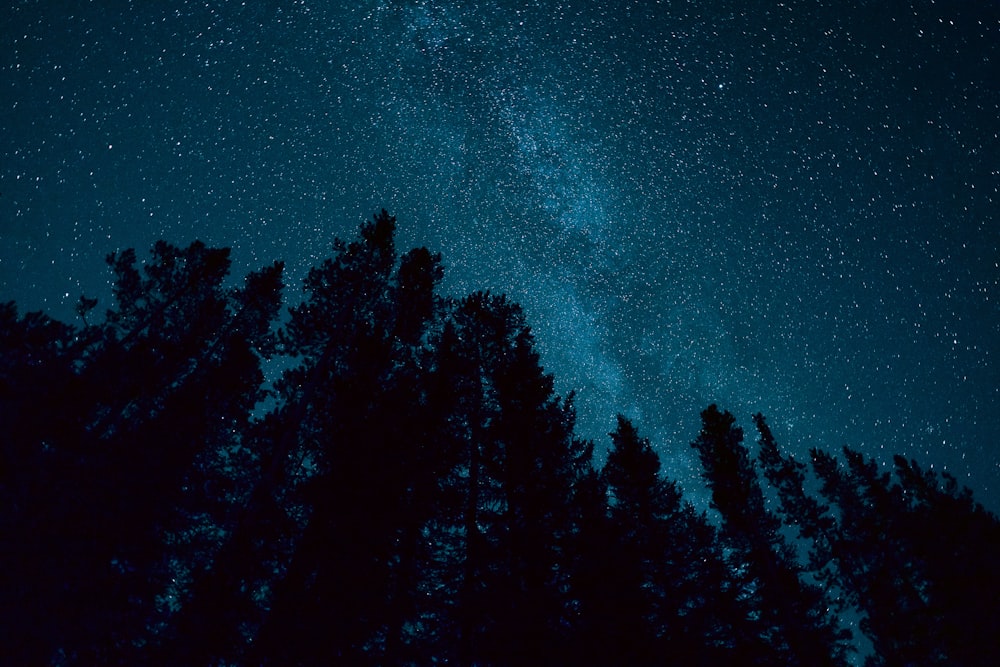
[(382, 475)]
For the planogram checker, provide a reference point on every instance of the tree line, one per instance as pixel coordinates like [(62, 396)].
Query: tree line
[(411, 491)]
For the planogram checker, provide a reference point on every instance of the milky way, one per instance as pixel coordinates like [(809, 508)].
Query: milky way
[(776, 206)]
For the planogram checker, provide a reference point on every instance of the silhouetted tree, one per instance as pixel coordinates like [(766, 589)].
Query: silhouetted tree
[(652, 581), (222, 487), (791, 612), (192, 350), (356, 408), (415, 494), (150, 397), (917, 555), (38, 377), (914, 554), (622, 595), (510, 494), (590, 561)]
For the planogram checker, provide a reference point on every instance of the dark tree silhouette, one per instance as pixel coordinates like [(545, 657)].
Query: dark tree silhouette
[(791, 611), (639, 504), (652, 580), (116, 500), (917, 555), (410, 491), (355, 406), (37, 376), (512, 488), (914, 554)]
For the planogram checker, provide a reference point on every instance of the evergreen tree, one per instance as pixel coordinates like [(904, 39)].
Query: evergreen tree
[(625, 593), (38, 375), (957, 543), (916, 554), (810, 517), (792, 612), (117, 490), (416, 494), (590, 562), (355, 412), (655, 586), (512, 487)]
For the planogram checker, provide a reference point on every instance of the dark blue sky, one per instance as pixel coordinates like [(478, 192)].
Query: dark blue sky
[(786, 207)]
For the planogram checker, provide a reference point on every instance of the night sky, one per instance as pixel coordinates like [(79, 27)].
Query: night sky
[(777, 206)]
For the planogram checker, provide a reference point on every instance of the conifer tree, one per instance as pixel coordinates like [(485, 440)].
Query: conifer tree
[(350, 409), (38, 377), (626, 596), (512, 487), (416, 494), (663, 591), (792, 612), (916, 554), (150, 398)]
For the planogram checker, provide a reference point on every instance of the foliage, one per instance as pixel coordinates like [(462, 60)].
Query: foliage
[(412, 492)]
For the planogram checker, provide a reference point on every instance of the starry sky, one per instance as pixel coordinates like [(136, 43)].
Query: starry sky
[(786, 207)]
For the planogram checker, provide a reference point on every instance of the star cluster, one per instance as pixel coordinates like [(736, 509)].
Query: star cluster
[(786, 207)]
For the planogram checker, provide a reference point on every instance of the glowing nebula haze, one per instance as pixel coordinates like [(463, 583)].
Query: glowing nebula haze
[(786, 207)]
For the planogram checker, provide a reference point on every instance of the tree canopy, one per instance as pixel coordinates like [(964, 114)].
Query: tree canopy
[(410, 490)]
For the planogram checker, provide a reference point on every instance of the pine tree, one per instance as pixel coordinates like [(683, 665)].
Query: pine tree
[(510, 492), (38, 358), (792, 612), (826, 559), (355, 411), (916, 555), (654, 585), (144, 403), (622, 595), (416, 494)]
